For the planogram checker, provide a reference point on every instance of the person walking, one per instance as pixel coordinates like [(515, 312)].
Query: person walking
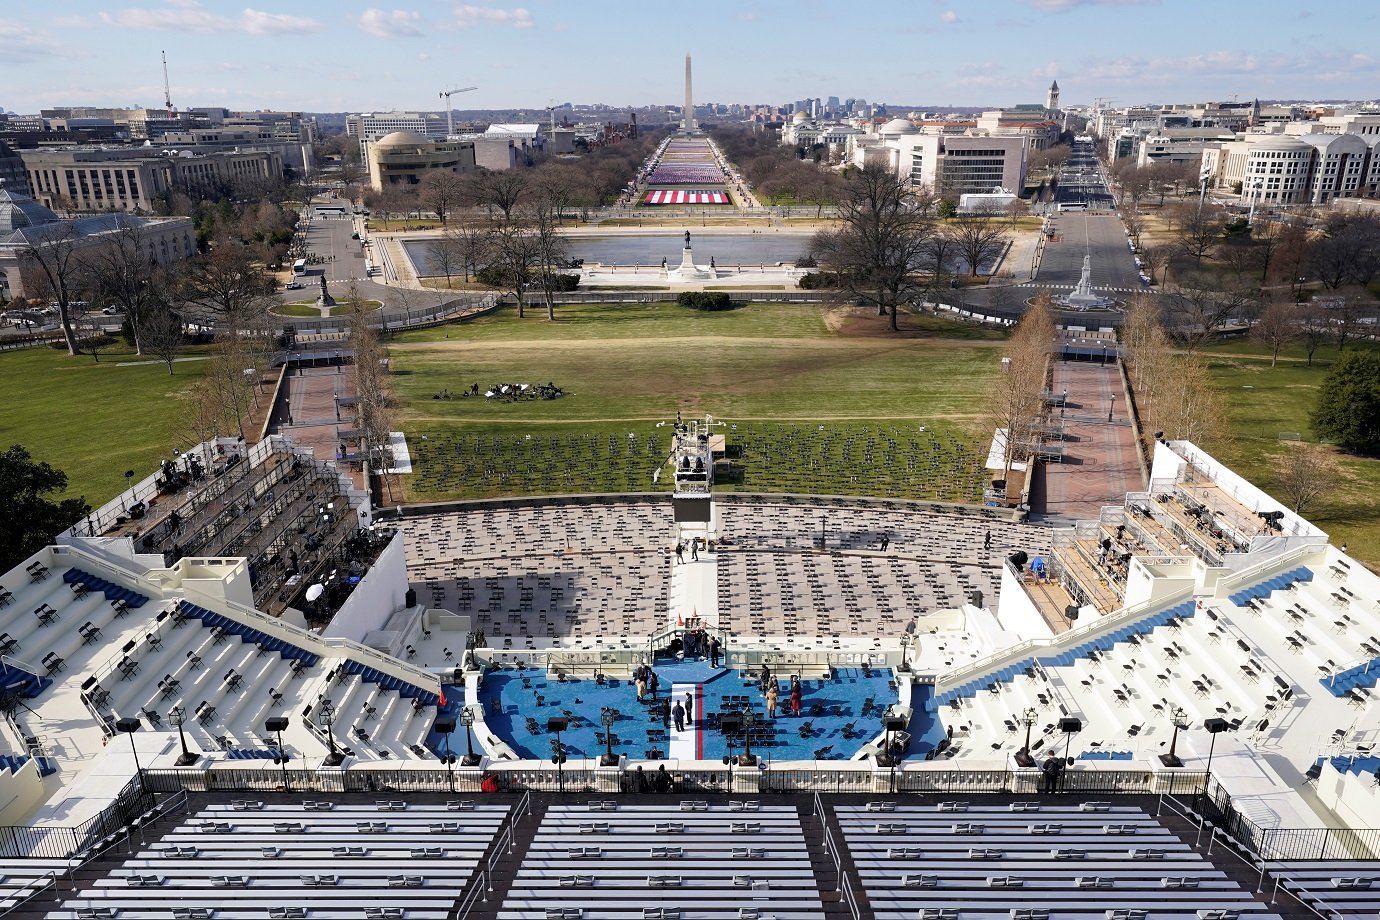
[(689, 707), (641, 686), (987, 541), (773, 696), (680, 552), (695, 549), (678, 716)]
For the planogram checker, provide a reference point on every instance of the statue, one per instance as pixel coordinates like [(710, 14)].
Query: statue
[(687, 239), (325, 300), (323, 285)]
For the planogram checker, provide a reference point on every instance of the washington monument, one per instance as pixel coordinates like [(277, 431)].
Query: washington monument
[(687, 115)]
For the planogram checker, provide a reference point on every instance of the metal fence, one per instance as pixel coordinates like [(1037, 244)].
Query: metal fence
[(55, 842)]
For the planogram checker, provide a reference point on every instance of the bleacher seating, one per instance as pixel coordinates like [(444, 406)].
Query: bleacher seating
[(247, 859), (1333, 888), (20, 879), (700, 860), (992, 861)]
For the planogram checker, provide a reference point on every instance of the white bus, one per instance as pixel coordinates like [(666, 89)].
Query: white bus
[(299, 267)]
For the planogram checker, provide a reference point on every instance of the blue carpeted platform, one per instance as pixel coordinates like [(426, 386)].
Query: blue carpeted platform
[(837, 717)]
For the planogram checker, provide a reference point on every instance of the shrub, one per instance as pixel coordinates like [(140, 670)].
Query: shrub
[(813, 281), (1348, 410), (494, 276), (567, 282), (704, 300)]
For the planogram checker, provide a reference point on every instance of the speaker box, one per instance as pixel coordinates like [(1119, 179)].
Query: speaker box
[(444, 725), (127, 724), (731, 724), (556, 724), (1069, 726), (894, 723), (276, 724), (1070, 612), (1215, 726)]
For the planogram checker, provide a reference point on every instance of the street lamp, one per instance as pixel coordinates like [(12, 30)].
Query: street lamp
[(277, 724), (749, 720), (1178, 718), (129, 726), (129, 481), (1023, 758), (1214, 728), (556, 725), (327, 715), (443, 726), (608, 716), (467, 719), (1069, 727), (178, 717)]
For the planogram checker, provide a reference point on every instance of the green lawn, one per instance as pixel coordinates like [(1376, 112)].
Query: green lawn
[(778, 371), (1265, 402), (94, 421)]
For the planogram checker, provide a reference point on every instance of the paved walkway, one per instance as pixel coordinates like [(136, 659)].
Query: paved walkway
[(1100, 464)]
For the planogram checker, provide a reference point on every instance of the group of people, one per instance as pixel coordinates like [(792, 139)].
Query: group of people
[(771, 693), (698, 644), (681, 712), (695, 544), (639, 781), (1052, 773)]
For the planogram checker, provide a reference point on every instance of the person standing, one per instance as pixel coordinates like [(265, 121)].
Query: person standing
[(680, 552), (641, 686), (714, 649), (689, 707), (653, 682), (796, 695), (773, 696), (678, 716), (695, 549), (666, 713), (886, 541), (987, 541)]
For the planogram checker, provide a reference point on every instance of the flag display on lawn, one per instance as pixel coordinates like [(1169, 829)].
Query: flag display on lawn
[(676, 196)]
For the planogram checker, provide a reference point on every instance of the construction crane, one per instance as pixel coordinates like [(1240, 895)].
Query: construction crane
[(450, 112), (167, 89)]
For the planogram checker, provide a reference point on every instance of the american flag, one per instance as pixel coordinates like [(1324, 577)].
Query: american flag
[(674, 196)]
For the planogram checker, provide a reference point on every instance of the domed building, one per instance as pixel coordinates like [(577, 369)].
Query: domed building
[(404, 157)]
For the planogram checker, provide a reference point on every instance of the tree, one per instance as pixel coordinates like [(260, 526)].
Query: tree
[(1314, 328), (1016, 399), (1347, 251), (441, 191), (125, 273), (1306, 473), (1348, 409), (231, 385), (515, 255), (374, 416), (551, 249), (1276, 327), (1199, 233), (445, 256), (1202, 305), (164, 332), (29, 518), (881, 242), (53, 264), (228, 287), (978, 238), (502, 189)]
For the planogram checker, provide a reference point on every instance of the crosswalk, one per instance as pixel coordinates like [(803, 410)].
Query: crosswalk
[(1095, 287)]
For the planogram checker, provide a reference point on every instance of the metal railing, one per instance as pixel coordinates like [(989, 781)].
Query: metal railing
[(62, 842), (831, 847)]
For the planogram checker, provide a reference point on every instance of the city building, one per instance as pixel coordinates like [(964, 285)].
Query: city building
[(370, 126), (1294, 168), (404, 157), (134, 178), (26, 225), (13, 176), (949, 164)]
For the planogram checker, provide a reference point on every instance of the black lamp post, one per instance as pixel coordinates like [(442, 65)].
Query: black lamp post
[(277, 724), (556, 725), (467, 719), (1178, 717), (1023, 758), (178, 716), (443, 726), (1069, 727), (749, 720), (1214, 728), (129, 480), (327, 713), (608, 716), (129, 726)]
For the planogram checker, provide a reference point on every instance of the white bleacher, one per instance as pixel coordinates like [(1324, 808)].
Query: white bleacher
[(1334, 888), (21, 879), (247, 859), (1071, 861), (695, 860)]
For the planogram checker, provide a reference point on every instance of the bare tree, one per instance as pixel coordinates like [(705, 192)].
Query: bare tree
[(1276, 327), (1314, 328), (516, 252), (1306, 473), (473, 246), (373, 405), (978, 238), (551, 249), (53, 264), (1202, 305), (1016, 399), (1199, 233), (441, 191), (444, 256), (881, 243), (164, 332), (125, 273), (230, 375), (502, 189), (228, 286)]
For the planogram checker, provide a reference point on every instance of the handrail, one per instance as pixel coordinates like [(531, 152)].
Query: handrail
[(480, 886), (33, 890), (1252, 573), (1073, 637)]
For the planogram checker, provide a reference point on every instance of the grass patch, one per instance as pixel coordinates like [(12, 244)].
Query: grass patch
[(309, 308), (778, 371), (1264, 402), (94, 421)]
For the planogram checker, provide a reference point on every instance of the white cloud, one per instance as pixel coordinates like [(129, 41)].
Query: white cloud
[(191, 16), (391, 23), (948, 16), (24, 45), (1064, 6), (1314, 64), (469, 15), (746, 17)]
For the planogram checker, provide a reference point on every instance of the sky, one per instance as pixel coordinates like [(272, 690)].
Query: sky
[(345, 55)]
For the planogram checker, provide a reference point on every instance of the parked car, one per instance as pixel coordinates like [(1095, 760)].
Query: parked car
[(292, 286)]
